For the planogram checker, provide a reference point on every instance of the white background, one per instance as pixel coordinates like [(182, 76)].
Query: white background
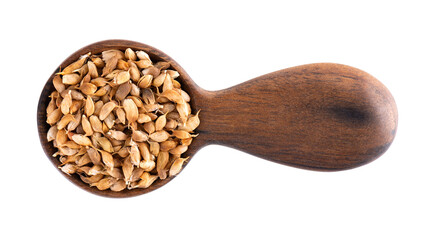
[(223, 193)]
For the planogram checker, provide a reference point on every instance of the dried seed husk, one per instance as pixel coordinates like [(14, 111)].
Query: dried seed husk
[(135, 90), (94, 156), (83, 160), (118, 135), (122, 91), (72, 144), (122, 77), (102, 91), (145, 81), (181, 134), (151, 71), (61, 137), (122, 65), (97, 107), (88, 88), (71, 79), (173, 74), (147, 165), (76, 95), (179, 150), (86, 126), (137, 101), (75, 106), (168, 83), (57, 83), (174, 116), (67, 151), (110, 65), (89, 106), (130, 54), (139, 136), (168, 145), (120, 115), (192, 123), (148, 96), (143, 118), (95, 170), (99, 82), (51, 134), (153, 116), (162, 65), (149, 127), (159, 136), (75, 65), (184, 111), (92, 69), (118, 186), (152, 107), (115, 173), (127, 168), (123, 152), (134, 154), (186, 141), (143, 63), (147, 180), (106, 109), (144, 151), (74, 124), (134, 71), (107, 159), (51, 107), (96, 124), (91, 179), (158, 81), (69, 168), (109, 121), (171, 124), (137, 173), (176, 84), (177, 166), (168, 107), (173, 96), (105, 144), (80, 139), (154, 148), (66, 103), (64, 121), (185, 96), (142, 55), (131, 110), (160, 122), (162, 162), (105, 183)]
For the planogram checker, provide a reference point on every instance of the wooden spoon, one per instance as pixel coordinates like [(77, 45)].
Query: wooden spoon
[(323, 116)]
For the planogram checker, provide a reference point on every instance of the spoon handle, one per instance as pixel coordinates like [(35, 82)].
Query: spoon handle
[(325, 117)]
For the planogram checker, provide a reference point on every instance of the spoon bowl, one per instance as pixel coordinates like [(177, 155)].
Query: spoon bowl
[(325, 116)]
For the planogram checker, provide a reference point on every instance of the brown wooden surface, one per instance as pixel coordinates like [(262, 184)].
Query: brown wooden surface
[(324, 116)]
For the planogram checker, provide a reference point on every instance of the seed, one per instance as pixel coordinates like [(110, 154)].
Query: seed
[(147, 180), (75, 65), (119, 186), (71, 79), (173, 96), (176, 167), (81, 140), (106, 110), (160, 122), (131, 110), (168, 83), (118, 135), (122, 91), (66, 103), (159, 136), (145, 81), (105, 183), (57, 83), (91, 179), (96, 124), (51, 134), (107, 159), (127, 169), (161, 164), (134, 71), (94, 156), (130, 54), (149, 127), (88, 88), (168, 145), (65, 120), (143, 118), (139, 136), (69, 168), (122, 77), (154, 148), (158, 81)]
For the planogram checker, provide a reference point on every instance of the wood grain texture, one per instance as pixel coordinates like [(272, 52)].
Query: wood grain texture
[(323, 116)]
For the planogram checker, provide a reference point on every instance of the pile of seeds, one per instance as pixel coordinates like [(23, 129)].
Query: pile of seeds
[(119, 120)]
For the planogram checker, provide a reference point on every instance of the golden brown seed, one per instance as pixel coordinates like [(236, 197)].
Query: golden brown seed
[(168, 145), (154, 148), (144, 151), (168, 83), (110, 120), (143, 118), (160, 122), (173, 96), (91, 179), (147, 180), (81, 140), (96, 124), (68, 168), (122, 65), (75, 106), (66, 103), (177, 166), (65, 120), (88, 88), (71, 79), (171, 124), (162, 162), (151, 71), (105, 183), (134, 72), (118, 135), (135, 90), (61, 137), (94, 156), (84, 160), (115, 173), (162, 65), (118, 186), (168, 107), (89, 106), (142, 55), (92, 69), (139, 136), (134, 154), (137, 173), (158, 81), (106, 110), (186, 141), (122, 77), (130, 54), (192, 123), (145, 81), (102, 91), (86, 126), (148, 96), (95, 170), (99, 82), (51, 134), (173, 74), (137, 101), (74, 124), (51, 106), (122, 91), (123, 152), (120, 115), (143, 63), (149, 127), (179, 150), (181, 134), (127, 168), (105, 144), (131, 110), (159, 136), (57, 83), (107, 159)]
